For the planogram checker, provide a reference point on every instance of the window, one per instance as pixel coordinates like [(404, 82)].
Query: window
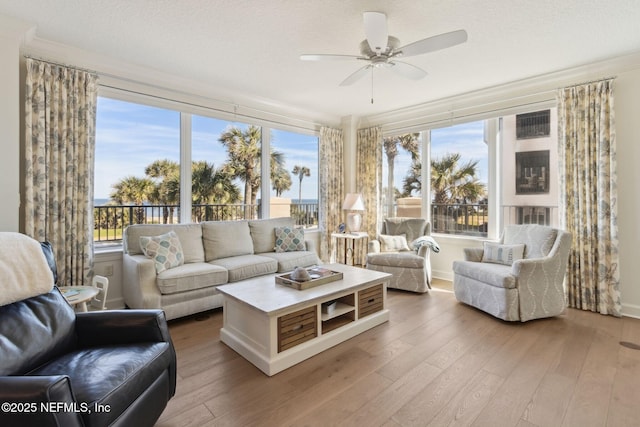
[(294, 177), (529, 193), (401, 171), (533, 125), (225, 159), (459, 179), (138, 170), (465, 199), (137, 157), (532, 172)]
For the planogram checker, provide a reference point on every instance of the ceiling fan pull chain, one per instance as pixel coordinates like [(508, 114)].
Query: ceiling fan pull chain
[(372, 84)]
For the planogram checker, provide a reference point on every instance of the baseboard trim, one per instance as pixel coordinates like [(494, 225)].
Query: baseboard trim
[(631, 310), (444, 275)]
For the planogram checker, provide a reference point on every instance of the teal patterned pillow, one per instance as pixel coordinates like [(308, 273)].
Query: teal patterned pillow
[(289, 239), (165, 250)]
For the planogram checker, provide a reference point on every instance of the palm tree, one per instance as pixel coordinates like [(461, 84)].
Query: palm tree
[(301, 172), (454, 183), (211, 185), (165, 173), (244, 153), (133, 190), (408, 142), (412, 182), (281, 181)]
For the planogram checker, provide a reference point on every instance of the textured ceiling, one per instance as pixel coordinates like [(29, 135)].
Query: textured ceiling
[(252, 48)]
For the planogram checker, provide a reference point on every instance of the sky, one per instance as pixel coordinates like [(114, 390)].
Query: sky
[(467, 139), (131, 136)]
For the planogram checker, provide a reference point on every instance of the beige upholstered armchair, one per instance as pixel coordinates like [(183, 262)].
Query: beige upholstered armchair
[(519, 278), (403, 249)]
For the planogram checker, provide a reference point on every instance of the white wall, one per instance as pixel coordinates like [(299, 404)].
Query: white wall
[(12, 33), (627, 111)]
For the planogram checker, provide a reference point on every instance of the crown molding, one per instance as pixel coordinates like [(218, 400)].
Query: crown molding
[(531, 92), (139, 79)]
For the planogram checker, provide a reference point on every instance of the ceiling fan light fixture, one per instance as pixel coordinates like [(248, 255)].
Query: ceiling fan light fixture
[(380, 49)]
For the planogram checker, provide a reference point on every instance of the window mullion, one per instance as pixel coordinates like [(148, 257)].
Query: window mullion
[(185, 168)]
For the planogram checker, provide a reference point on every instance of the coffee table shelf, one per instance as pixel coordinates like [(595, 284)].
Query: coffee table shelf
[(276, 327)]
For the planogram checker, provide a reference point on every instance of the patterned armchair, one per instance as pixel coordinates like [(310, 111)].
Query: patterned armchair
[(519, 278), (403, 249)]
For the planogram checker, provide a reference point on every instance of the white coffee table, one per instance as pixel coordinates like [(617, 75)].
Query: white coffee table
[(275, 327)]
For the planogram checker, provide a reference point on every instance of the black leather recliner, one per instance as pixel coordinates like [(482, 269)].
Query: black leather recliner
[(61, 368)]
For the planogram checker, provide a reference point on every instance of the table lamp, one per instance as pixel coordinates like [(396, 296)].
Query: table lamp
[(354, 203)]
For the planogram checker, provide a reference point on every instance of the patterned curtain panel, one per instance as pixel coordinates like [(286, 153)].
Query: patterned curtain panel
[(588, 195), (331, 187), (369, 177), (60, 116)]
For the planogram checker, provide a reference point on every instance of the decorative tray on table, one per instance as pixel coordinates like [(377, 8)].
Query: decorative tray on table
[(318, 276)]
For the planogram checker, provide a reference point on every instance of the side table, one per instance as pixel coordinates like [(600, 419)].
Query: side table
[(351, 248), (78, 296)]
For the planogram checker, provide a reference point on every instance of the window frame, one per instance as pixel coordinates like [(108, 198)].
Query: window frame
[(227, 113)]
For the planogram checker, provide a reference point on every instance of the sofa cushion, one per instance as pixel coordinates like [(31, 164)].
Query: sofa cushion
[(262, 232), (412, 228), (246, 266), (130, 369), (289, 239), (538, 239), (502, 254), (34, 330), (287, 261), (395, 259), (165, 250), (393, 243), (497, 275), (223, 239), (192, 276), (190, 236)]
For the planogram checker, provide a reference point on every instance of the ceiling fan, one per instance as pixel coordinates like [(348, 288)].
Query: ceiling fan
[(382, 50)]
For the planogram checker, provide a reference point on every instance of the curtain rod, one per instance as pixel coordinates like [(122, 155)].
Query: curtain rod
[(589, 82), (60, 64), (220, 110)]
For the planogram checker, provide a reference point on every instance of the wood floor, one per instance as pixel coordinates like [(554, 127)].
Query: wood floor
[(435, 363)]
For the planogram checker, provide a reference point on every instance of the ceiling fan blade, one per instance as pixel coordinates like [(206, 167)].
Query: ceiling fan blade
[(323, 57), (375, 28), (407, 70), (355, 76), (434, 43)]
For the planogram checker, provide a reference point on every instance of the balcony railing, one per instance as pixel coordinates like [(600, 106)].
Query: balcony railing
[(111, 220), (465, 219), (473, 219)]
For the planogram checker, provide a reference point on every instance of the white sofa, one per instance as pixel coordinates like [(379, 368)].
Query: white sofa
[(215, 253)]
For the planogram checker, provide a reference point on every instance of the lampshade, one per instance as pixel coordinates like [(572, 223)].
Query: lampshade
[(353, 202)]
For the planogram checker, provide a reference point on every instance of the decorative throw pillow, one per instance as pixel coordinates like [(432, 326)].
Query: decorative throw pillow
[(289, 239), (502, 254), (390, 243), (165, 250)]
